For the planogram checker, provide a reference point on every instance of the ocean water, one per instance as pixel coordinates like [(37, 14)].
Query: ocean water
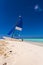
[(34, 40)]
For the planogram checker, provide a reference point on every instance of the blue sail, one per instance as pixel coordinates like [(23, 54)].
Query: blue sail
[(11, 31), (19, 24)]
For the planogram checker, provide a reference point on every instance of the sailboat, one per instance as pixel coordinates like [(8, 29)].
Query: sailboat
[(18, 27)]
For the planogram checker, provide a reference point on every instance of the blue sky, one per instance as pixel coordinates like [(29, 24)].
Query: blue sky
[(32, 19)]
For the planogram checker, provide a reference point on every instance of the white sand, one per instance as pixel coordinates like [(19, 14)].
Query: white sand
[(23, 53)]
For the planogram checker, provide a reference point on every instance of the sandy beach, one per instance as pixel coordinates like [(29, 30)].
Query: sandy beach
[(17, 52)]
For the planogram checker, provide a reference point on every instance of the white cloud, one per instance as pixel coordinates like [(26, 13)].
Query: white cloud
[(38, 8)]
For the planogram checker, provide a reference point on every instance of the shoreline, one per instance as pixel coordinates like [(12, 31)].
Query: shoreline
[(35, 43)]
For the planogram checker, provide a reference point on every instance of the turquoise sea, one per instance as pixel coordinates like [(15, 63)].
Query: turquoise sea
[(34, 40)]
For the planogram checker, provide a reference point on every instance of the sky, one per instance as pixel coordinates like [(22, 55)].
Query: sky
[(32, 17)]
